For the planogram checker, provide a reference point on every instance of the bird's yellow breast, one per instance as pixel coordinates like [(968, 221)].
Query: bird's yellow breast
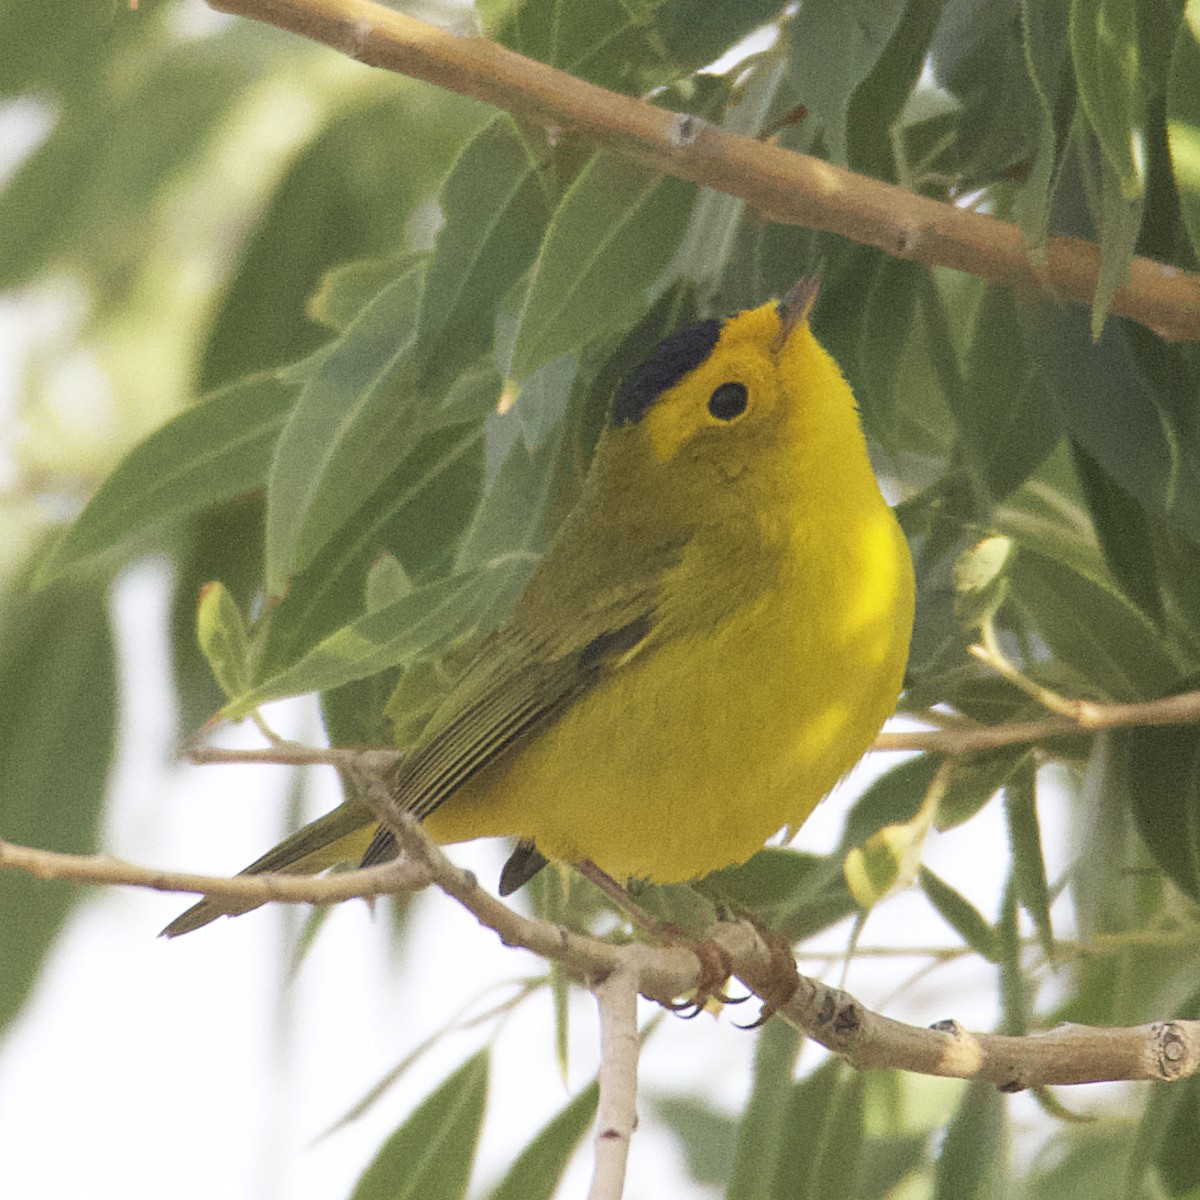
[(693, 754)]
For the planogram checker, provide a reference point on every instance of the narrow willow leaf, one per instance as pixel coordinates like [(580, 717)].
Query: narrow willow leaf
[(1183, 119), (418, 513), (887, 860), (973, 783), (1120, 221), (971, 1165), (1168, 1106), (887, 322), (1164, 794), (215, 451), (1105, 53), (980, 582), (539, 1167), (833, 47), (347, 289), (608, 242), (387, 582), (223, 637), (348, 429), (430, 1156), (960, 914), (829, 1107), (1007, 423), (892, 799), (1014, 991), (1044, 35), (58, 712), (495, 214), (630, 48), (1025, 840), (709, 1137), (765, 1128), (1092, 630), (426, 617), (1124, 532)]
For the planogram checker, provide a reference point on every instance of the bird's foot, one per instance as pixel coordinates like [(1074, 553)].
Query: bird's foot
[(780, 979)]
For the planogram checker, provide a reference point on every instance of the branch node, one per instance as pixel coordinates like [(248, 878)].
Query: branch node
[(685, 128), (1170, 1050)]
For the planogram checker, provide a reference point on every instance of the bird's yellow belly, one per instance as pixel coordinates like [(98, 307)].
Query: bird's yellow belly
[(697, 752)]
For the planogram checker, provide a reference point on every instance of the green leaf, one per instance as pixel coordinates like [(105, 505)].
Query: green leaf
[(1120, 221), (887, 323), (539, 1167), (877, 105), (765, 1127), (1164, 794), (1162, 1141), (1014, 989), (973, 782), (1007, 422), (960, 914), (1092, 630), (215, 451), (387, 582), (495, 214), (971, 1163), (980, 582), (887, 860), (1183, 119), (892, 799), (1105, 53), (630, 48), (418, 514), (1044, 34), (349, 194), (834, 44), (608, 243), (1025, 840), (58, 712), (429, 1157), (1084, 1163), (1178, 1161), (225, 543), (709, 1137), (824, 1161), (348, 429), (345, 290), (224, 639), (427, 617), (1124, 533), (793, 893)]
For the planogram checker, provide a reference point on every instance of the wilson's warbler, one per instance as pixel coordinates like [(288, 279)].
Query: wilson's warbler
[(714, 638)]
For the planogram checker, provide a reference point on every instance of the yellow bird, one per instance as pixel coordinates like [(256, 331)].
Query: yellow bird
[(716, 635)]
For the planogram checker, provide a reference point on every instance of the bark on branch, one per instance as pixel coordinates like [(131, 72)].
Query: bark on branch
[(781, 185)]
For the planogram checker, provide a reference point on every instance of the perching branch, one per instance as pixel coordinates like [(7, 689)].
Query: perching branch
[(1069, 1054), (781, 185), (616, 1115)]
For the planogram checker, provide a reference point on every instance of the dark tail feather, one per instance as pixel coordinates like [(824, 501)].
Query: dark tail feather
[(523, 864)]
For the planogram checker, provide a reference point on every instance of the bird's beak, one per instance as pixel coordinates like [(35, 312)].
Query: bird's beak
[(796, 307)]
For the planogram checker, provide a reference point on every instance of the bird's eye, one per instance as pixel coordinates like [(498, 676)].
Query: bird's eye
[(729, 401)]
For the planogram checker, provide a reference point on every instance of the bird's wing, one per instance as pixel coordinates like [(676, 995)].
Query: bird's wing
[(515, 686)]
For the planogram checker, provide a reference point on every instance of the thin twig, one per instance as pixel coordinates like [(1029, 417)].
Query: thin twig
[(388, 879), (616, 1116), (781, 185), (294, 754), (1073, 718)]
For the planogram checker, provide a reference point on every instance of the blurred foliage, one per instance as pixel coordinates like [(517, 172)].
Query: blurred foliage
[(269, 301)]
